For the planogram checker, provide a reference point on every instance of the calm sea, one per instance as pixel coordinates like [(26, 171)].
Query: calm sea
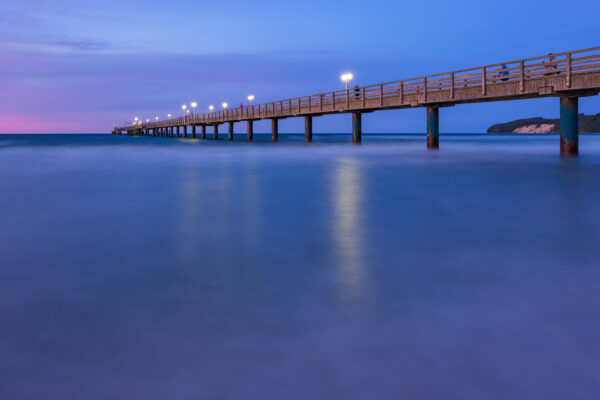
[(157, 268)]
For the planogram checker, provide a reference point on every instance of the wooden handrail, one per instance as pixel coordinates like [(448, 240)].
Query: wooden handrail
[(564, 64)]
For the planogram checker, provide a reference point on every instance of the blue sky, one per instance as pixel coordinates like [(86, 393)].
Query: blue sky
[(80, 66)]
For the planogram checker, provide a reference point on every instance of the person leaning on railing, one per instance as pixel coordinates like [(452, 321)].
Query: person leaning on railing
[(551, 68), (501, 73)]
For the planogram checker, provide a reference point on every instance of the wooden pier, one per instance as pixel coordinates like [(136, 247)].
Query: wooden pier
[(568, 75)]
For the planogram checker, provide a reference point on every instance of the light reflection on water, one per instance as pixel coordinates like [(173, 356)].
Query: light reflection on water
[(348, 227), (153, 268)]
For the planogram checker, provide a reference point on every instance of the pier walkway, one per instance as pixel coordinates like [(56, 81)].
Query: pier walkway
[(567, 75)]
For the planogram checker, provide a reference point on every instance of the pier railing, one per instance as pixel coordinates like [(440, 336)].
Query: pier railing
[(404, 92)]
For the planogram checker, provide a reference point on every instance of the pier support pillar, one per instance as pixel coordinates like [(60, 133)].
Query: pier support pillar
[(177, 131), (250, 130), (230, 131), (569, 126), (203, 132), (433, 127), (308, 129), (274, 129), (356, 128), (185, 131), (216, 134), (194, 131)]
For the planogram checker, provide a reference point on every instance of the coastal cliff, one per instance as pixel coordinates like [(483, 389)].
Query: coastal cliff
[(587, 124)]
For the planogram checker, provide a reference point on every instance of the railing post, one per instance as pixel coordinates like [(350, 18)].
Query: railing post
[(381, 94), (309, 103), (363, 97), (521, 76), (483, 81), (452, 85), (347, 98), (425, 89), (321, 101), (401, 92), (568, 70), (333, 101)]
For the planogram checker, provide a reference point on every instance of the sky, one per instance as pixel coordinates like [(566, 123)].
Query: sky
[(82, 66)]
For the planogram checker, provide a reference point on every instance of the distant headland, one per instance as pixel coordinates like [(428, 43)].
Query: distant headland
[(587, 124)]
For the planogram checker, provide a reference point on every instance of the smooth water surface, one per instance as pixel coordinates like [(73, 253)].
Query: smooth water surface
[(157, 268)]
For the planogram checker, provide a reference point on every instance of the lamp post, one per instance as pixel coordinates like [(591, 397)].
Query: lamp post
[(224, 105), (183, 107), (251, 98), (169, 116), (194, 105), (211, 108), (347, 77)]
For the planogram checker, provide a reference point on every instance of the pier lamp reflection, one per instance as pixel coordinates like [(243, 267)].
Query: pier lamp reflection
[(348, 229)]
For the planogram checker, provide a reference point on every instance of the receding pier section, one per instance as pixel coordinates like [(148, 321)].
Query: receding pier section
[(250, 130), (230, 131), (274, 129), (308, 129), (568, 76), (356, 128), (433, 127), (569, 126)]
